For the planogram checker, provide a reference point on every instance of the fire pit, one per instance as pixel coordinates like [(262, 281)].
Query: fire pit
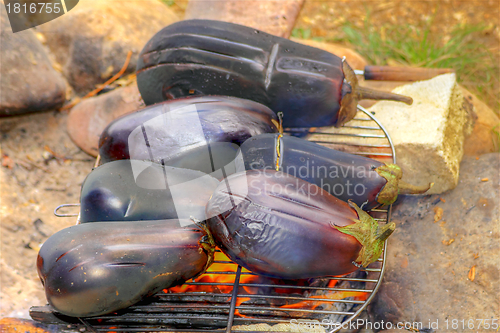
[(231, 299)]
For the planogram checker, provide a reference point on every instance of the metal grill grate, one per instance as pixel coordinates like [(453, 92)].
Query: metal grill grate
[(242, 298)]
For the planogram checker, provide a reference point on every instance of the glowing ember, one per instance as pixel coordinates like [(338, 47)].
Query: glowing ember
[(220, 278)]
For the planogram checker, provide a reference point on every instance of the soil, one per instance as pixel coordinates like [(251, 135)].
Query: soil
[(42, 168), (34, 182)]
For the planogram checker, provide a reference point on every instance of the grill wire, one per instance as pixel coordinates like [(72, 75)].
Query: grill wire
[(233, 308)]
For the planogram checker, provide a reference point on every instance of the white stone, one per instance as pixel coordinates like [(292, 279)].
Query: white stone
[(429, 134)]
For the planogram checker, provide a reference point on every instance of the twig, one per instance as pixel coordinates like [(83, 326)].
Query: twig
[(56, 155), (97, 90)]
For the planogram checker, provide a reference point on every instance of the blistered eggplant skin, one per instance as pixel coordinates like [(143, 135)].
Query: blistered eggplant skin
[(199, 133), (97, 268), (219, 58), (131, 190), (281, 226), (344, 175)]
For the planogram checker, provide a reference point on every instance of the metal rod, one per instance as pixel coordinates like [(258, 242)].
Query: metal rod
[(233, 300), (56, 213), (362, 135), (294, 310), (362, 127), (383, 129), (351, 144), (306, 299)]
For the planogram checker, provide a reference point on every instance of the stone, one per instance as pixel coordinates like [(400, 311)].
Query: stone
[(28, 82), (484, 137), (446, 268), (89, 118), (353, 58), (274, 17), (92, 41), (429, 134)]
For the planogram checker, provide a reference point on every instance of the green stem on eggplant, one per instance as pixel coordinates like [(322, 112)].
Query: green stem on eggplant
[(394, 186), (405, 188), (369, 234), (389, 193), (207, 243), (352, 93)]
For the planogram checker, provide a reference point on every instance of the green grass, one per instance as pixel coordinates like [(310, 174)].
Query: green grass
[(496, 140), (476, 66), (169, 3)]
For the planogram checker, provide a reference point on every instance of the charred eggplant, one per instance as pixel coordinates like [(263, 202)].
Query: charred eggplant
[(201, 57), (199, 133), (132, 190), (365, 181), (97, 268), (281, 226)]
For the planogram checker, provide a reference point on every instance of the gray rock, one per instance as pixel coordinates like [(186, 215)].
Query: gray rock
[(92, 41), (429, 274), (28, 83)]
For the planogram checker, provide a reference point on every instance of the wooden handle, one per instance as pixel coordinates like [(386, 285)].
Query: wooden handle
[(390, 73)]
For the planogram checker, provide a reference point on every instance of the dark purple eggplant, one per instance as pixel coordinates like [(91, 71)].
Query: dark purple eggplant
[(96, 268), (365, 181), (281, 226), (201, 57), (199, 133), (132, 190)]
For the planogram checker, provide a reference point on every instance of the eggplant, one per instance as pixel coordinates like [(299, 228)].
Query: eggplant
[(281, 226), (132, 190), (199, 133), (96, 268), (365, 181), (202, 57)]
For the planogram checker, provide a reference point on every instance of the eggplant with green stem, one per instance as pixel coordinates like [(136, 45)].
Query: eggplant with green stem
[(367, 182)]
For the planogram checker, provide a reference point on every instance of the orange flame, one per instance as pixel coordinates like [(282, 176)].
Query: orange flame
[(223, 283)]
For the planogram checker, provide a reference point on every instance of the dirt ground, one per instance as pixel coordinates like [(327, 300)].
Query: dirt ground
[(34, 182), (42, 168)]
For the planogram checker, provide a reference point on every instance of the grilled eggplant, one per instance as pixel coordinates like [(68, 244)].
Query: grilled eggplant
[(96, 268), (365, 181), (131, 190), (199, 133), (201, 57), (281, 226)]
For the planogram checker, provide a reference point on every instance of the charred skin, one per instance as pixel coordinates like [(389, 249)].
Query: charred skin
[(199, 133), (201, 57), (280, 226), (344, 175), (128, 190), (97, 268)]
